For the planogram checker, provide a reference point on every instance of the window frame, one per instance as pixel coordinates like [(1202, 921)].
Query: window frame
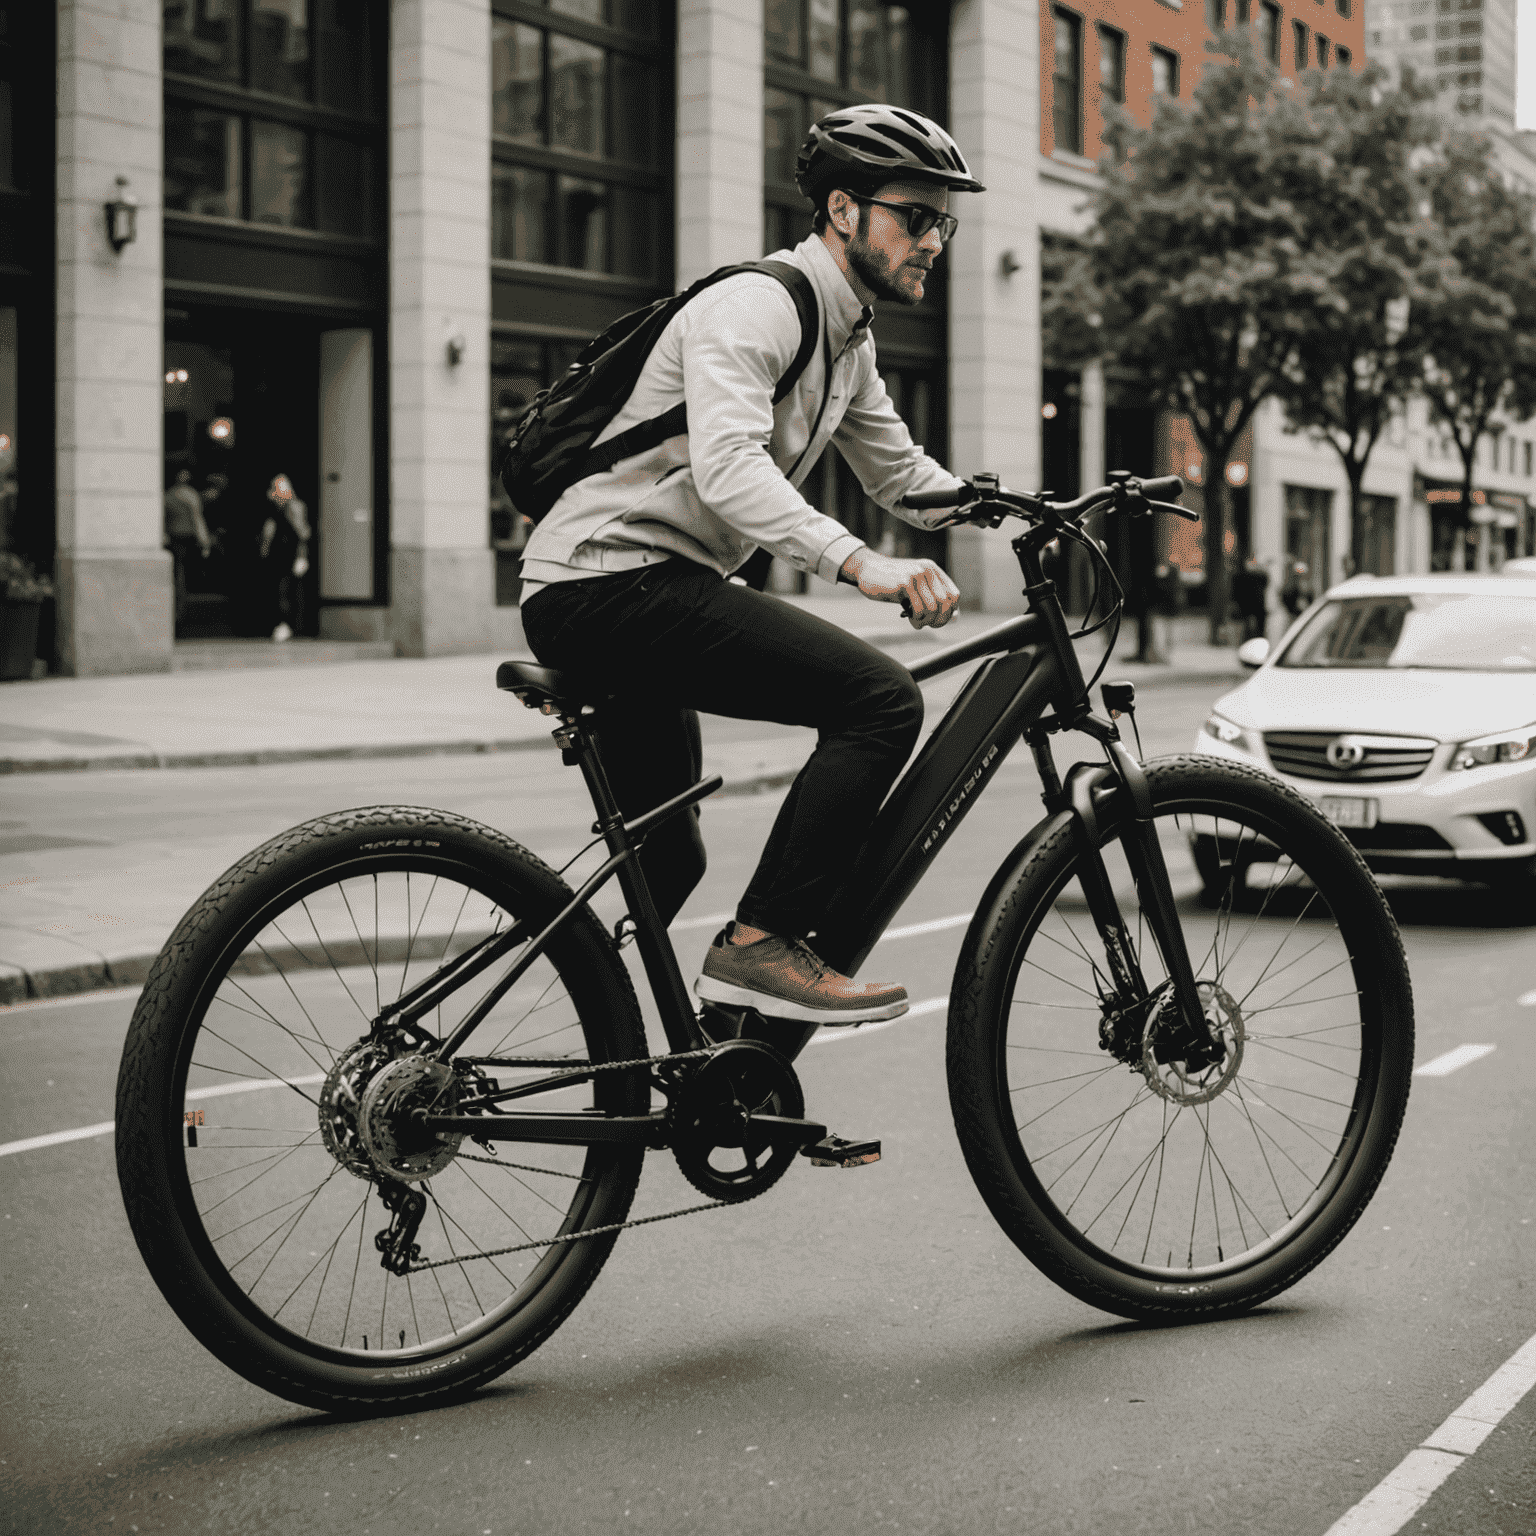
[(1270, 19), (1324, 52), (930, 72), (1118, 46), (1158, 51), (1064, 15), (546, 159), (1301, 43), (1343, 58), (249, 105)]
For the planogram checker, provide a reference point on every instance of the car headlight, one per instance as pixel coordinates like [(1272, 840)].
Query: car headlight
[(1224, 730), (1506, 747)]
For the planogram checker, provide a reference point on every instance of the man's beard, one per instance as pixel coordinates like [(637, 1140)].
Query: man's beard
[(878, 275)]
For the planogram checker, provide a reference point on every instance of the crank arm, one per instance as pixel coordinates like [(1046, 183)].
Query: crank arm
[(781, 1129)]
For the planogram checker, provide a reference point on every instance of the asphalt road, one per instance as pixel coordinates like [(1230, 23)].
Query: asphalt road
[(854, 1351)]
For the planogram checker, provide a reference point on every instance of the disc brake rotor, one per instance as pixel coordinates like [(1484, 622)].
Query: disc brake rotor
[(397, 1144), (713, 1138), (1196, 1075)]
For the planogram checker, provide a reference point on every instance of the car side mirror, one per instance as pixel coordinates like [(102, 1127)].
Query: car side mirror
[(1253, 653)]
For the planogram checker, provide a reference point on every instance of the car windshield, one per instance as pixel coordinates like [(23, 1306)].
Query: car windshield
[(1438, 631)]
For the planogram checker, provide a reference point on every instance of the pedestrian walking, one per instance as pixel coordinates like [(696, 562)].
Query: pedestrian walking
[(284, 555), (186, 530), (1249, 589)]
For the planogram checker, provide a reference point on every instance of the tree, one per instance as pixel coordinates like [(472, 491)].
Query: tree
[(1478, 301), (1360, 338), (1193, 266)]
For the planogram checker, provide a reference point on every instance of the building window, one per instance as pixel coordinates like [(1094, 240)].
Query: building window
[(1242, 13), (577, 173), (1342, 57), (1216, 14), (1527, 461), (1165, 72), (821, 56), (1323, 50), (232, 153), (1112, 64), (1269, 31), (1067, 82), (1299, 30), (1344, 7)]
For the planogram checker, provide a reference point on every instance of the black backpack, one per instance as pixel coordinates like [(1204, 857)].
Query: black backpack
[(551, 447)]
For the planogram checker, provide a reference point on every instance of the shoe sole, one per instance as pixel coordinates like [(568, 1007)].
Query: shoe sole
[(715, 991)]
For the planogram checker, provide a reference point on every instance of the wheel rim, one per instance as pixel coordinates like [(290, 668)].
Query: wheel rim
[(1178, 1170), (282, 1193)]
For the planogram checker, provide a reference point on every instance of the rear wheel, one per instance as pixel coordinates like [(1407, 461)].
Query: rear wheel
[(263, 1176), (1149, 1173)]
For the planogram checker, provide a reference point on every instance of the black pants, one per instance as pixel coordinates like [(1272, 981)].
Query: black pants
[(676, 638)]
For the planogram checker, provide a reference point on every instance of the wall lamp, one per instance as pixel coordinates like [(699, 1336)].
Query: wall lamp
[(1008, 264), (122, 216), (455, 349)]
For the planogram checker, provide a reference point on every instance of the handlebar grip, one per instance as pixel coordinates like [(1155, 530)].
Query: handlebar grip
[(1166, 486), (926, 499)]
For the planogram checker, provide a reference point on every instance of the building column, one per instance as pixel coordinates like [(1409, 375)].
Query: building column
[(1091, 432), (115, 599), (442, 574), (719, 135), (994, 319)]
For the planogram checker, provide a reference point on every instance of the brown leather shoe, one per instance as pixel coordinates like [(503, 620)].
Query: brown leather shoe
[(785, 979)]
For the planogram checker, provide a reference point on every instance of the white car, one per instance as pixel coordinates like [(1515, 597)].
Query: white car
[(1405, 707)]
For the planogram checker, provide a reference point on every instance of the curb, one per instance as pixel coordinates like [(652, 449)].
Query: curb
[(267, 756)]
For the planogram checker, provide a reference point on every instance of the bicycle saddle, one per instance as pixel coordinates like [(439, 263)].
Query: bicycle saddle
[(537, 686)]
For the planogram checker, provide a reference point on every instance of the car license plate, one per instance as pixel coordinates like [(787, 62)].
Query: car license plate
[(1343, 811)]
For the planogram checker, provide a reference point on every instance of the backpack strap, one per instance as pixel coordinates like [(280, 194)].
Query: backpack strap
[(673, 423)]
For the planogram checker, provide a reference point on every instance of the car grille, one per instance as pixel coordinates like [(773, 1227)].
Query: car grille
[(1395, 837), (1387, 760)]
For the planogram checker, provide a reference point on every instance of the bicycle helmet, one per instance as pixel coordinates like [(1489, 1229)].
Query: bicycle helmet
[(865, 146)]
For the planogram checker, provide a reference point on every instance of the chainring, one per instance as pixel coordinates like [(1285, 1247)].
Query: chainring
[(710, 1119)]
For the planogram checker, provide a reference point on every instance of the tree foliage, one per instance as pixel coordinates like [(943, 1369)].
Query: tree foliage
[(1193, 269), (1477, 299), (1360, 337)]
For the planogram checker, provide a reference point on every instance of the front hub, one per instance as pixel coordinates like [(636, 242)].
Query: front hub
[(1187, 1065)]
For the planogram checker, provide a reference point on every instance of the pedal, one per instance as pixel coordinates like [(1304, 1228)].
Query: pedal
[(835, 1152)]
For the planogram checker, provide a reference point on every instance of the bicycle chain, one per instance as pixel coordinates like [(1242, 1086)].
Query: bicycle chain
[(576, 1237)]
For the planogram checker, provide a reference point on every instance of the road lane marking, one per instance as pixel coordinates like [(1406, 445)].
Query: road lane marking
[(106, 1127), (826, 1036), (1453, 1061), (54, 1138), (1407, 1488)]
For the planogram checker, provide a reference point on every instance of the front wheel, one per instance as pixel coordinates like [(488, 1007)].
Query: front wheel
[(1149, 1173), (259, 1140)]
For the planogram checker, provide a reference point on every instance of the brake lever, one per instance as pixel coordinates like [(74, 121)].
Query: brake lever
[(1186, 513)]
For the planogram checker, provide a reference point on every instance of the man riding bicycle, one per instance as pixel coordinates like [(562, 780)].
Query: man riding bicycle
[(625, 579)]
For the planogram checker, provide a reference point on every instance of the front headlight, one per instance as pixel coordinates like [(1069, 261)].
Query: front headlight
[(1505, 747), (1224, 730)]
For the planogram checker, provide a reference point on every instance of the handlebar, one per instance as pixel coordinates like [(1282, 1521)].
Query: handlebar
[(1125, 493)]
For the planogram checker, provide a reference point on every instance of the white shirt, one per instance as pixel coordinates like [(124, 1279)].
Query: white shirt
[(729, 484)]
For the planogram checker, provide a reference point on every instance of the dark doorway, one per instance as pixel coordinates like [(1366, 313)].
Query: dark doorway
[(241, 407)]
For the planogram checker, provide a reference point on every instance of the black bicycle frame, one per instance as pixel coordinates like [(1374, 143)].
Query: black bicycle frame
[(1029, 686)]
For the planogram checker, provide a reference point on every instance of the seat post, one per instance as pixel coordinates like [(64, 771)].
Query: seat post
[(678, 1018)]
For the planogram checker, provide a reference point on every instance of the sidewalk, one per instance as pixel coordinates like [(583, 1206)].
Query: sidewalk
[(397, 707), (58, 930)]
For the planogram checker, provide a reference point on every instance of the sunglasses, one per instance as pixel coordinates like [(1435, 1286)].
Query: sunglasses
[(919, 217)]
